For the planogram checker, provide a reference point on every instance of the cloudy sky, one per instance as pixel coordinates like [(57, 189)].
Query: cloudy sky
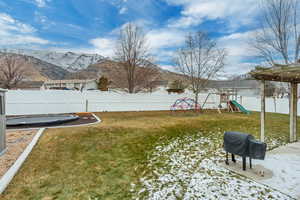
[(91, 26)]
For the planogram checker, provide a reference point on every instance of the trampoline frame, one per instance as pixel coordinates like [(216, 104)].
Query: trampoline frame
[(71, 117)]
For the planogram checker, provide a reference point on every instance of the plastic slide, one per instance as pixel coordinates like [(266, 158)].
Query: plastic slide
[(240, 107)]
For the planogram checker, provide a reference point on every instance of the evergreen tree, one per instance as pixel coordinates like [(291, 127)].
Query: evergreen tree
[(103, 83)]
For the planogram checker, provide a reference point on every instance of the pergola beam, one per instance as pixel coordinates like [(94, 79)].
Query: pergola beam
[(279, 73)]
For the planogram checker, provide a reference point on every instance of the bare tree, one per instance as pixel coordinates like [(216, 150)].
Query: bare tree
[(132, 53), (278, 40), (200, 60), (146, 78), (11, 70)]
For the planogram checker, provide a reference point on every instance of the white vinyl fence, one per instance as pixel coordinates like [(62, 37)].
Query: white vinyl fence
[(273, 105), (24, 102)]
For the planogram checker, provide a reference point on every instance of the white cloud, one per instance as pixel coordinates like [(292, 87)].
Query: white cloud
[(171, 68), (238, 48), (7, 23), (41, 3), (163, 42), (164, 38), (196, 11), (43, 20), (18, 39), (103, 46), (14, 32), (238, 44), (142, 23), (123, 10)]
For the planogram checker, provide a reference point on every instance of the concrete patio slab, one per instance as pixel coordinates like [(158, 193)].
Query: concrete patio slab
[(279, 170)]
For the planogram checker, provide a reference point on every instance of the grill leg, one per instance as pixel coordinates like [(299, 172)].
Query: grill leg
[(233, 158), (250, 161), (244, 163), (226, 161)]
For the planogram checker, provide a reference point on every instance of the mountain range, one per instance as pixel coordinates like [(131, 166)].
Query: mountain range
[(69, 61), (45, 65)]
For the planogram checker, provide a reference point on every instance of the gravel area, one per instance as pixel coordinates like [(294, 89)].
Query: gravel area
[(17, 141)]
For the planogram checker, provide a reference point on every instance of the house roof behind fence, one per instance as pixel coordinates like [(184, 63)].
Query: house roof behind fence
[(30, 84), (68, 81), (234, 84)]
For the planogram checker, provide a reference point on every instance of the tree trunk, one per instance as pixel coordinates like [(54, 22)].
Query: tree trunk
[(130, 87), (196, 101), (131, 84)]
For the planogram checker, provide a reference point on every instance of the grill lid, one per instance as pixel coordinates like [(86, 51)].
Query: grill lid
[(237, 143)]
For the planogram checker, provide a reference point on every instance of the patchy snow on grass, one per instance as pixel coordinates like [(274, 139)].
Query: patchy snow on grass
[(273, 143), (186, 168)]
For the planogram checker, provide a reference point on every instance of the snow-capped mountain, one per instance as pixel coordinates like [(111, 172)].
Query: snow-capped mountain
[(70, 61), (36, 69)]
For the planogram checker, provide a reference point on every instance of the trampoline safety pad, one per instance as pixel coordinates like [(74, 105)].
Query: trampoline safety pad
[(40, 120)]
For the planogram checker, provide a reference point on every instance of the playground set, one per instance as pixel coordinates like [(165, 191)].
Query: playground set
[(227, 103), (229, 98), (185, 104)]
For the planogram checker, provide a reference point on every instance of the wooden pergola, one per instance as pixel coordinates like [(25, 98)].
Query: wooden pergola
[(280, 73)]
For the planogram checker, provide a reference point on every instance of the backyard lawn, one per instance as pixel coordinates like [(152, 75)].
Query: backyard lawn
[(143, 155)]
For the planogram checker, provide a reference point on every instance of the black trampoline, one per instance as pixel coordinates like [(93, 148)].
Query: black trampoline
[(43, 120)]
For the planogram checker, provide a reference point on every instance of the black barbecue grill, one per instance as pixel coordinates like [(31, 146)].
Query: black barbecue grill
[(243, 145)]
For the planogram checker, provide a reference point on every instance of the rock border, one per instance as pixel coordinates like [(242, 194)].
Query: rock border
[(11, 172)]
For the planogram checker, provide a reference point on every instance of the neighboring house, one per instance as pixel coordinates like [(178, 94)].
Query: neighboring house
[(241, 87), (71, 84), (160, 83), (27, 85), (30, 85)]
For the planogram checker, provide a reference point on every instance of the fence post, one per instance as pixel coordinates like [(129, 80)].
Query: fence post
[(86, 105), (274, 98), (3, 123)]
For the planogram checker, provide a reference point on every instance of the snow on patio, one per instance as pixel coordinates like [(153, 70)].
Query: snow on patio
[(187, 168), (284, 162)]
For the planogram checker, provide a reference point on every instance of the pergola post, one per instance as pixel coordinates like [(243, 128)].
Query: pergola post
[(289, 73), (263, 111), (293, 111)]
